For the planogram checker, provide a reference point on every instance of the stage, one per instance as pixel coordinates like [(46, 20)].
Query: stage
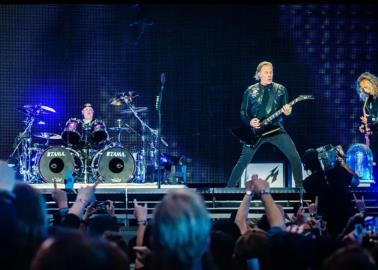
[(220, 202)]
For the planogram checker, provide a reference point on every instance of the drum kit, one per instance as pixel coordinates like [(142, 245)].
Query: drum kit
[(85, 150)]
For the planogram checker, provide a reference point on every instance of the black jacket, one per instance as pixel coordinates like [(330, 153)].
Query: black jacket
[(252, 106)]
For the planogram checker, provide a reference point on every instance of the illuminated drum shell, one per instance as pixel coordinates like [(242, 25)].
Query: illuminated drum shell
[(72, 132), (99, 133)]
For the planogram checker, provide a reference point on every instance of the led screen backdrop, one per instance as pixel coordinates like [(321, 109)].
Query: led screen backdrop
[(63, 56)]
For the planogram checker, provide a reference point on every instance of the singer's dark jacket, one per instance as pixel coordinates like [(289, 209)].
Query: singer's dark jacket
[(256, 103), (372, 111)]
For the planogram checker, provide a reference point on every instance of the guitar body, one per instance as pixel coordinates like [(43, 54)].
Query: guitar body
[(252, 136)]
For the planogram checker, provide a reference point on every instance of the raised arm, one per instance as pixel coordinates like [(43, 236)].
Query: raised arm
[(272, 211), (242, 214)]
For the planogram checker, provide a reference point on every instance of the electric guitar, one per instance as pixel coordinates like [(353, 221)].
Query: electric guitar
[(252, 136), (366, 127)]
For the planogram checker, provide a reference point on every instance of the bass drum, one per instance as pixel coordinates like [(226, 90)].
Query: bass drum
[(55, 162), (113, 164)]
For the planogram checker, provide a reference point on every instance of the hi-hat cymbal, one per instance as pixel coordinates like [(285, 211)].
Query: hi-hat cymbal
[(48, 136), (36, 109), (135, 109)]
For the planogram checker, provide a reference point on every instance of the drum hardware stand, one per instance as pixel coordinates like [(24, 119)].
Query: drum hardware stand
[(124, 127), (85, 150), (23, 146), (145, 129), (24, 140), (119, 125), (85, 160), (147, 133), (140, 170), (158, 108), (141, 160)]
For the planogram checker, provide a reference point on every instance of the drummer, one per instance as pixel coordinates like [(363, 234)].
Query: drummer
[(87, 121), (88, 113), (94, 130)]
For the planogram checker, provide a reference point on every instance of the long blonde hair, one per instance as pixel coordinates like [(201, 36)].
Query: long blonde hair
[(371, 78)]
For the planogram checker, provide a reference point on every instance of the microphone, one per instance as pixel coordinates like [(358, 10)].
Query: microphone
[(162, 78), (158, 98)]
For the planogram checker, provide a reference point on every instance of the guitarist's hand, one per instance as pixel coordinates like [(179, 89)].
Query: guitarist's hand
[(362, 128), (364, 119), (286, 109), (255, 123)]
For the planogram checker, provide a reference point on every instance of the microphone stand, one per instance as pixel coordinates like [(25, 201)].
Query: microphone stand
[(158, 108)]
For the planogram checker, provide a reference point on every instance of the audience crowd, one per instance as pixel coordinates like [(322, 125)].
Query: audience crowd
[(330, 232)]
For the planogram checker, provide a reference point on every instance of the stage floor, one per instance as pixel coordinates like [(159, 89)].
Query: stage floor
[(108, 187)]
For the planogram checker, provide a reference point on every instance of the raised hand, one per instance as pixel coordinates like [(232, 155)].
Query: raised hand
[(89, 211), (142, 252), (249, 184), (110, 208), (140, 212), (259, 185), (313, 207), (7, 177), (86, 194), (59, 196), (360, 204), (300, 216), (84, 198)]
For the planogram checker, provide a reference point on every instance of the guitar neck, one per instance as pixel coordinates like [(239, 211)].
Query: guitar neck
[(276, 114)]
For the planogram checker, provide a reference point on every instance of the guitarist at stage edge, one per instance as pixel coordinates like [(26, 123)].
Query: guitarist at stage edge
[(367, 88), (260, 100)]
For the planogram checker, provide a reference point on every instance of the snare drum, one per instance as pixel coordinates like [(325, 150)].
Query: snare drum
[(98, 132), (54, 162), (72, 132), (113, 164)]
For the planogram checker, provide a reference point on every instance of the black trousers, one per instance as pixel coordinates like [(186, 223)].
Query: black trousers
[(284, 143), (374, 149)]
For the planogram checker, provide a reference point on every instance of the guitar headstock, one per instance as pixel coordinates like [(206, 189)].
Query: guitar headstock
[(304, 97)]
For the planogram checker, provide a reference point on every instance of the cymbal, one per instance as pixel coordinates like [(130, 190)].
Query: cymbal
[(48, 136), (117, 101), (135, 109), (122, 98), (36, 109)]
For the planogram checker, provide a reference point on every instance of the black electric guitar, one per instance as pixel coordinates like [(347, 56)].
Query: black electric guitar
[(252, 136)]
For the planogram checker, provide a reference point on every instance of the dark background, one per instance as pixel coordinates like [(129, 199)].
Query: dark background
[(63, 56)]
